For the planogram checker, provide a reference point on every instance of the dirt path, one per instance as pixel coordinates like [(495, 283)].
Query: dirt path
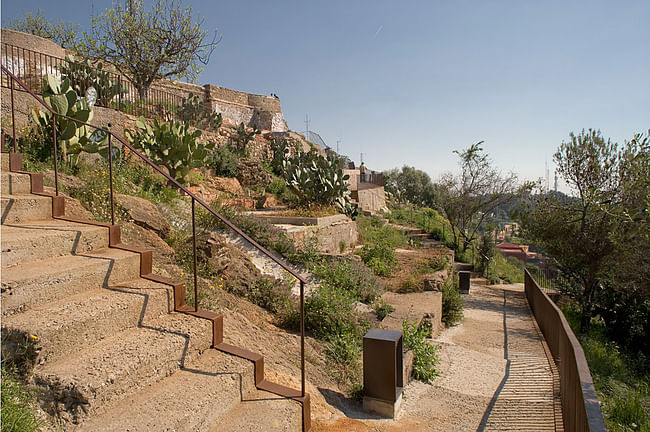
[(495, 375)]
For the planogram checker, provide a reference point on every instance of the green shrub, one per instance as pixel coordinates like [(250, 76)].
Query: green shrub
[(344, 352), (330, 311), (434, 264), (18, 404), (348, 275), (272, 295), (452, 303), (382, 309), (225, 161), (411, 284), (277, 187), (380, 257), (425, 354)]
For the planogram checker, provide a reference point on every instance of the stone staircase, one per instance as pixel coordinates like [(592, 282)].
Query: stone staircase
[(116, 346)]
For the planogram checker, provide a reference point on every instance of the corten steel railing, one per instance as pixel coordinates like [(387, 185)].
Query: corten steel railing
[(13, 80), (30, 66), (580, 407)]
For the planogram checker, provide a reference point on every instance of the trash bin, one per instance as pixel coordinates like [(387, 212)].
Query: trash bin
[(463, 279), (383, 375)]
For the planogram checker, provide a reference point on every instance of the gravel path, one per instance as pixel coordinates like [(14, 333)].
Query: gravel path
[(495, 374)]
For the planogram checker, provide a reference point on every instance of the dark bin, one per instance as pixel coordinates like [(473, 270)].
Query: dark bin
[(463, 278), (383, 370)]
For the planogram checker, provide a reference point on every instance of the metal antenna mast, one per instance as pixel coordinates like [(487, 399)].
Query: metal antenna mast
[(338, 141), (307, 121)]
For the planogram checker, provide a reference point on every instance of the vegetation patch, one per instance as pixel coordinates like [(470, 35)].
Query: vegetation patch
[(452, 302), (18, 404), (425, 354)]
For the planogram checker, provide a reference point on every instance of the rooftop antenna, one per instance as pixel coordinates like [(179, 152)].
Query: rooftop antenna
[(546, 175), (307, 121), (555, 181), (338, 141), (361, 157)]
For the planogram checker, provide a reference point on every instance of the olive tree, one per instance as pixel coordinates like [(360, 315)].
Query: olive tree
[(145, 45), (466, 199), (604, 226)]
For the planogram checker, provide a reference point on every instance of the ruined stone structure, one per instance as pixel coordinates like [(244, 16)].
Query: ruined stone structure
[(22, 51)]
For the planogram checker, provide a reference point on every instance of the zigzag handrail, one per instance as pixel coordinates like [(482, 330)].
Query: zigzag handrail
[(302, 396)]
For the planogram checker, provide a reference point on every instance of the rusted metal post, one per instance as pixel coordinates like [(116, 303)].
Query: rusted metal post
[(110, 173), (56, 156), (302, 338), (13, 115), (196, 294)]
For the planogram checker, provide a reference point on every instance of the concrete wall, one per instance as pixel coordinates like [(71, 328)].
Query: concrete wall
[(371, 199)]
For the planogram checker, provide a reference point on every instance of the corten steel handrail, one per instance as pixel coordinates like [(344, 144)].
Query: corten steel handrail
[(195, 199), (580, 407)]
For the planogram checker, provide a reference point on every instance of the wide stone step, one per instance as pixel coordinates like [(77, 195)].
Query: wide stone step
[(195, 398), (36, 283), (262, 411), (14, 183), (34, 241), (109, 371), (68, 325), (25, 208)]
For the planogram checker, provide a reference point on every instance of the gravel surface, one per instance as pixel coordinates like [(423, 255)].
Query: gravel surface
[(471, 392)]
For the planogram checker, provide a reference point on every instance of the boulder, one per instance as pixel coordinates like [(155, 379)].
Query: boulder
[(252, 174), (225, 184), (144, 213), (227, 261)]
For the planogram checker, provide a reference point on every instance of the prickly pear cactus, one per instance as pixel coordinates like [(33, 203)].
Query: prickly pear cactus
[(172, 145), (72, 136)]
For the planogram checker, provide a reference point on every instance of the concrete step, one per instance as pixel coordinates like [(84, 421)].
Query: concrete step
[(34, 241), (14, 183), (84, 382), (36, 283), (25, 208), (195, 398), (262, 411), (68, 325)]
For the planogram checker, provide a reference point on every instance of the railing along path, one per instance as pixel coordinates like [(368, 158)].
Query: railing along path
[(194, 199), (579, 400)]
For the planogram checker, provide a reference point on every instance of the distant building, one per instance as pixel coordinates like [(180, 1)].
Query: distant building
[(514, 250)]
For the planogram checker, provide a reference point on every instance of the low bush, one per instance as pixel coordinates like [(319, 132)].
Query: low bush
[(411, 284), (382, 309), (434, 264), (425, 354), (271, 294), (348, 275), (224, 161), (622, 386), (452, 303), (277, 187), (18, 404)]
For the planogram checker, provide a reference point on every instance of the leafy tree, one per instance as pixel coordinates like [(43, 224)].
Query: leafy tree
[(63, 33), (467, 199), (584, 234), (410, 184), (147, 45)]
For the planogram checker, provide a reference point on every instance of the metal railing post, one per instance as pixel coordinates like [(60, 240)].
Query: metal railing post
[(196, 294), (56, 156), (13, 115), (110, 174), (302, 338)]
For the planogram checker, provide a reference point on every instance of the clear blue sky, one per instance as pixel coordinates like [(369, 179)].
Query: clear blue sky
[(409, 82)]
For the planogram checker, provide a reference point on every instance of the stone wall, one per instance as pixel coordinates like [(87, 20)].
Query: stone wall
[(331, 238), (263, 112), (371, 199)]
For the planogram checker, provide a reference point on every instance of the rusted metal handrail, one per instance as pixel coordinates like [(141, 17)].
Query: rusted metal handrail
[(193, 197), (580, 407)]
